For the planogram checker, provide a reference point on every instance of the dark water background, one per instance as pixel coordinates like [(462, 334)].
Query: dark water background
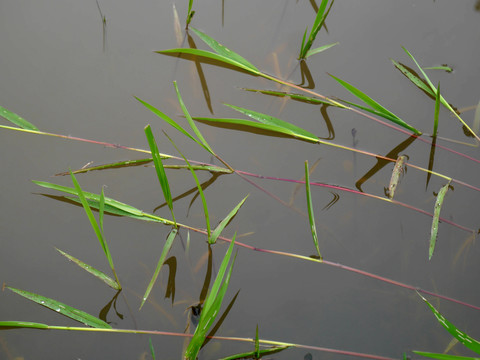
[(57, 72)]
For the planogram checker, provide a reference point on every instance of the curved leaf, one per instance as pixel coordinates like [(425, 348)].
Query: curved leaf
[(63, 309)]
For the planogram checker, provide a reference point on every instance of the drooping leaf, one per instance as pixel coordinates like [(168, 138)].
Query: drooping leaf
[(218, 230), (436, 218), (16, 119), (398, 171), (277, 123), (376, 106), (95, 272), (63, 309), (221, 54), (163, 256), (225, 52), (161, 175), (191, 122), (311, 216), (111, 205), (466, 340)]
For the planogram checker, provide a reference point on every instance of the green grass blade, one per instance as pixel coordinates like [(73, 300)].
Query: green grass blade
[(317, 25), (161, 175), (376, 106), (270, 120), (442, 99), (210, 55), (255, 355), (218, 230), (311, 216), (63, 309), (444, 356), (94, 204), (191, 122), (436, 217), (101, 210), (251, 124), (413, 78), (466, 340), (211, 305), (168, 120), (370, 110), (398, 170), (437, 111), (163, 256), (97, 273), (442, 67), (16, 119), (111, 202), (199, 186), (302, 47), (94, 223), (152, 350), (319, 49), (23, 324), (298, 97), (190, 13), (225, 52)]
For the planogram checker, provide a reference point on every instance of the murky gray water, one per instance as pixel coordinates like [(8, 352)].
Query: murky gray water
[(58, 71)]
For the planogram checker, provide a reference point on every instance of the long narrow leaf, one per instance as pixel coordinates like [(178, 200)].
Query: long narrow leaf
[(225, 52), (376, 106), (252, 124), (163, 256), (311, 216), (320, 49), (95, 272), (63, 309), (199, 186), (436, 218), (94, 223), (168, 120), (16, 119), (114, 203), (442, 99), (466, 340), (211, 305), (413, 78), (317, 25), (444, 356), (218, 230), (210, 55), (437, 111), (270, 120), (191, 122), (23, 324), (161, 175)]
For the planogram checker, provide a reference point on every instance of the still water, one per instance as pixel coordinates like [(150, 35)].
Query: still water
[(66, 71)]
